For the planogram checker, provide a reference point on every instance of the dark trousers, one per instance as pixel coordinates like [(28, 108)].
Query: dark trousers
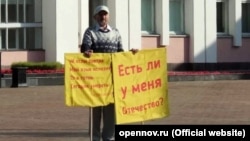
[(105, 116)]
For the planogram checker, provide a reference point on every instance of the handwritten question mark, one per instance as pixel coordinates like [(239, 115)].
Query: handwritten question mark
[(161, 101)]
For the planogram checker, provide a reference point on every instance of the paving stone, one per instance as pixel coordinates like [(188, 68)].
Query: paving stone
[(39, 113)]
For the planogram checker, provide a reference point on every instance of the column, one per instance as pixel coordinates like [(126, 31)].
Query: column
[(134, 25), (210, 31), (162, 21), (235, 21), (119, 19), (83, 17), (60, 28), (195, 27)]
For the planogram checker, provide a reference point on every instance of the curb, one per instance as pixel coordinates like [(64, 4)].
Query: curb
[(58, 79)]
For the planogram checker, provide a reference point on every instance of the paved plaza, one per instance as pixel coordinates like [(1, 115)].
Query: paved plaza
[(39, 113)]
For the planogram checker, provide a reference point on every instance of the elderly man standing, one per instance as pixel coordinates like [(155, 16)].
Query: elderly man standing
[(102, 38)]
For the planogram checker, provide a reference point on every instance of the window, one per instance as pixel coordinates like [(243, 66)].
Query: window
[(92, 6), (246, 16), (221, 16), (2, 10), (176, 20), (20, 24), (33, 38), (3, 39), (147, 16)]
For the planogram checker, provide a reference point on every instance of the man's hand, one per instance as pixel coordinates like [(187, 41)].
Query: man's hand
[(134, 51), (88, 53)]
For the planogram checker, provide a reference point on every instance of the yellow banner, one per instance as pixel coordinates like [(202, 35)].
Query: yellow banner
[(140, 85), (88, 81)]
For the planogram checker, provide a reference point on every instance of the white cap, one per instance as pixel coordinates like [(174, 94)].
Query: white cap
[(101, 8)]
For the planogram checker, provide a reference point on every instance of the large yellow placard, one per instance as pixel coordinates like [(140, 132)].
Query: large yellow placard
[(140, 85), (88, 81)]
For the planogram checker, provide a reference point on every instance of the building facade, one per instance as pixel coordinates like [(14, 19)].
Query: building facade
[(198, 34)]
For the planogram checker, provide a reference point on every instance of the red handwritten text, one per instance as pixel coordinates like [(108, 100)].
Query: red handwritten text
[(143, 107)]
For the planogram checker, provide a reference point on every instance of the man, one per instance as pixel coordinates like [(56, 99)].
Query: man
[(102, 38)]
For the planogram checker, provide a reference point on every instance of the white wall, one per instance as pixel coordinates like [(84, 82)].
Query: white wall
[(162, 18), (83, 18), (134, 24), (60, 28), (64, 23), (125, 15), (200, 24), (49, 29), (210, 31), (199, 30), (235, 21), (119, 19), (67, 28)]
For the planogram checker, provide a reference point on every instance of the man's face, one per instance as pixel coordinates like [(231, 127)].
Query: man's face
[(102, 18)]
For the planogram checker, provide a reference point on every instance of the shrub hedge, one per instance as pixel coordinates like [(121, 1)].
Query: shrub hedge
[(38, 65)]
